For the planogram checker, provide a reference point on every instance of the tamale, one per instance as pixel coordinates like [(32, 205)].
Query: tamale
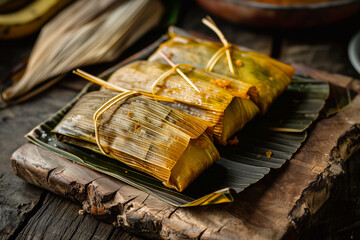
[(268, 75), (225, 102), (151, 137)]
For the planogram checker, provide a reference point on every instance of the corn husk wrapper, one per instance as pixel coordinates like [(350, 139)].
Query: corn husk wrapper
[(144, 134), (268, 75), (229, 108), (86, 32)]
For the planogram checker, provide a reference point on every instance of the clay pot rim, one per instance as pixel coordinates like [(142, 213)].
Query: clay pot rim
[(311, 6)]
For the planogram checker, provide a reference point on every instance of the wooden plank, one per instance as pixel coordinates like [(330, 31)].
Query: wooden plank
[(326, 49), (17, 198), (339, 216), (318, 55), (61, 219), (273, 207), (323, 48)]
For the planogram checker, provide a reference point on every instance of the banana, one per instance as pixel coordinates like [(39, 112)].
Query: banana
[(7, 6), (29, 19)]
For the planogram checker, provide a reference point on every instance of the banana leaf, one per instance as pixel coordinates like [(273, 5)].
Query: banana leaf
[(339, 98), (298, 107), (259, 149), (240, 165)]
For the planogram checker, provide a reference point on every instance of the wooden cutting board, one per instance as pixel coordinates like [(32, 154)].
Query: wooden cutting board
[(281, 203)]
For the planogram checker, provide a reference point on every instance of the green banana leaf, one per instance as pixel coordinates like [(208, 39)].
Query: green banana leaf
[(339, 98), (298, 106), (264, 144), (240, 165)]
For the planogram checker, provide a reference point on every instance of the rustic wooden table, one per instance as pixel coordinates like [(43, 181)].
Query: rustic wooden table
[(27, 211)]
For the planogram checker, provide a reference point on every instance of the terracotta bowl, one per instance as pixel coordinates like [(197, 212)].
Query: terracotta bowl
[(259, 14)]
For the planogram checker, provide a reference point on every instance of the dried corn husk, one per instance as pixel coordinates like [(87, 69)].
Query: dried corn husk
[(269, 76), (87, 32), (144, 134), (229, 107)]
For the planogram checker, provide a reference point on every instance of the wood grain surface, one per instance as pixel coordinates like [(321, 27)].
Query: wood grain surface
[(67, 221)]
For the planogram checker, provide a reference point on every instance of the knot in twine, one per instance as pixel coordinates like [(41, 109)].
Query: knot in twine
[(174, 68), (223, 50), (125, 93)]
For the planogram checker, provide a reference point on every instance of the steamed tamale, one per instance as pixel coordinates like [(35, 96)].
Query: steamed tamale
[(268, 75), (223, 101), (144, 134)]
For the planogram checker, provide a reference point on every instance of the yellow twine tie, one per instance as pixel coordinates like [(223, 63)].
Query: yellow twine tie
[(113, 87), (170, 71), (106, 107), (223, 50), (125, 94)]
